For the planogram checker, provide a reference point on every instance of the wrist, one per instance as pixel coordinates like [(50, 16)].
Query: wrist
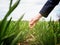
[(39, 16)]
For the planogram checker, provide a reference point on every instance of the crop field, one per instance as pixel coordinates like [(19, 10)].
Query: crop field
[(19, 33), (44, 33)]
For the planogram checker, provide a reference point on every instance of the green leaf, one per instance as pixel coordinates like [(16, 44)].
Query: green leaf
[(6, 27), (16, 38), (10, 4), (8, 13)]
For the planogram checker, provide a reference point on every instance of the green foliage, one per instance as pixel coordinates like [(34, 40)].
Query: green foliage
[(14, 32), (47, 33), (7, 34), (44, 33)]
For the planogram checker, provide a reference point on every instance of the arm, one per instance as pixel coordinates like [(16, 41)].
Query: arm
[(48, 7)]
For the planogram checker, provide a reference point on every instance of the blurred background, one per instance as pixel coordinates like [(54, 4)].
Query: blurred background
[(30, 7)]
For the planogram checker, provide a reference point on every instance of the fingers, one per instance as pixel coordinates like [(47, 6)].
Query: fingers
[(32, 23)]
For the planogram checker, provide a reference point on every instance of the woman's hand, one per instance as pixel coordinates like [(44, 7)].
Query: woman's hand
[(34, 20)]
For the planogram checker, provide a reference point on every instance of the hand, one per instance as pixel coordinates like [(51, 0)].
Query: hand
[(34, 20)]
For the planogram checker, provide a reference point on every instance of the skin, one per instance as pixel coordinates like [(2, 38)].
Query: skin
[(34, 20)]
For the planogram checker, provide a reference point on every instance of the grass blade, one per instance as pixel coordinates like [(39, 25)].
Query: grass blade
[(10, 4)]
